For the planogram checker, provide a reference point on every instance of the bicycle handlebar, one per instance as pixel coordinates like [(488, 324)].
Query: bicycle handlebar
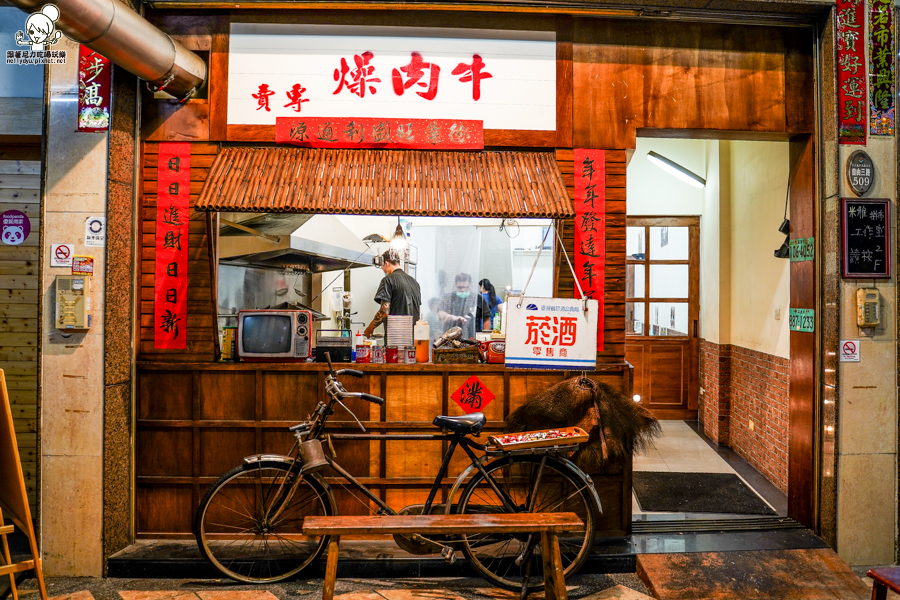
[(374, 399), (353, 372)]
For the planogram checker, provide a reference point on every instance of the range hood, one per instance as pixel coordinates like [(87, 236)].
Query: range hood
[(321, 243)]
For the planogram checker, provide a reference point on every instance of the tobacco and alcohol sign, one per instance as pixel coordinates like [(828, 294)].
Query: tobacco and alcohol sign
[(866, 238), (409, 134), (507, 79), (551, 333)]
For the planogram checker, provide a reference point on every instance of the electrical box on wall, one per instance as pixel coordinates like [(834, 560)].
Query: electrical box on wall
[(868, 302), (73, 302)]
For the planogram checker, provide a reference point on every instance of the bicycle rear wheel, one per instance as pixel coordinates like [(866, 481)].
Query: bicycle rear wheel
[(249, 523), (561, 489)]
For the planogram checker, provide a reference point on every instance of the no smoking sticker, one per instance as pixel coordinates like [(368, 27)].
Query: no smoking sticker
[(849, 350), (61, 255)]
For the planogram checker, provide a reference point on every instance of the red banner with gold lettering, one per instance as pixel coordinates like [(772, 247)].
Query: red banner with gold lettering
[(852, 98), (590, 228), (172, 212), (355, 132)]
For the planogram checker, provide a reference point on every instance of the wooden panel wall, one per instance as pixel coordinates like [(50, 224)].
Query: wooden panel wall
[(197, 421), (614, 274), (200, 319), (20, 189), (683, 76)]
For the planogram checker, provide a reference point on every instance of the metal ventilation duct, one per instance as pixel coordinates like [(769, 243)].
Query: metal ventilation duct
[(128, 40)]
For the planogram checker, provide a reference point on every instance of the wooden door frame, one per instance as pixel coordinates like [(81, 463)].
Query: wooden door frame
[(693, 224)]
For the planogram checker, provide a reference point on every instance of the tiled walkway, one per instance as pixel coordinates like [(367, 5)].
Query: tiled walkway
[(680, 449)]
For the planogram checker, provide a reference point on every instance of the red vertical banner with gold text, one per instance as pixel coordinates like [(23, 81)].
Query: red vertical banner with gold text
[(853, 102), (590, 228), (94, 91), (172, 211)]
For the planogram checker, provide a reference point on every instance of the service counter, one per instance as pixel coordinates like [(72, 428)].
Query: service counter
[(197, 420)]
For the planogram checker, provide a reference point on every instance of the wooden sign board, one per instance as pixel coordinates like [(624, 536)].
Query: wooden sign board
[(866, 238)]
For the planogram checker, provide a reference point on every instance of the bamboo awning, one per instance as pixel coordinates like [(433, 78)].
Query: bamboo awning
[(392, 182)]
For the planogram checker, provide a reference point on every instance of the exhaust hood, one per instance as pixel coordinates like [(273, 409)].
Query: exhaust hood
[(321, 243)]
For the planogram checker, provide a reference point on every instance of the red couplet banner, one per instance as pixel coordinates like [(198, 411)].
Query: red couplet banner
[(852, 98), (172, 212), (353, 132), (590, 228)]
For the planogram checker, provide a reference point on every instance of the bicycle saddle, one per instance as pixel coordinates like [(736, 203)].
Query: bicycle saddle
[(465, 425)]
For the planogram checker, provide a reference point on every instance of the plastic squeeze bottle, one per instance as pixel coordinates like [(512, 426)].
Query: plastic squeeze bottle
[(422, 337)]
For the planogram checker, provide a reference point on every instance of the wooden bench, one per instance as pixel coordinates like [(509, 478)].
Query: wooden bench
[(547, 524), (886, 578)]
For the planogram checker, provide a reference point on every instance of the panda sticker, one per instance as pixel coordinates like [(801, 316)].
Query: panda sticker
[(14, 227)]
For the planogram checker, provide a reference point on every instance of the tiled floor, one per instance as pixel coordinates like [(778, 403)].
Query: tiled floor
[(681, 449)]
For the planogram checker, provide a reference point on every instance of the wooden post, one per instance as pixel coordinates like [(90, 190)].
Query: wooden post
[(331, 567), (554, 582)]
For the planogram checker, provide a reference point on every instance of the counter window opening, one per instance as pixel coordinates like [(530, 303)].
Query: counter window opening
[(464, 267)]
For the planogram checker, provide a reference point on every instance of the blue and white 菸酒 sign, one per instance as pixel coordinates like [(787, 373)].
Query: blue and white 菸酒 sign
[(551, 333)]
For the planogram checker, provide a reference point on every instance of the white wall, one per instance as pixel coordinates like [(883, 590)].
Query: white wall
[(740, 209)]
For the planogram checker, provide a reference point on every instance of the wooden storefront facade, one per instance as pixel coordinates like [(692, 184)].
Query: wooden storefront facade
[(616, 77)]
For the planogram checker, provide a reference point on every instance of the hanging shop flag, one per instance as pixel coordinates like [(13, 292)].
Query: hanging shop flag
[(882, 115), (410, 134), (852, 98), (551, 333), (94, 91), (172, 212), (590, 227)]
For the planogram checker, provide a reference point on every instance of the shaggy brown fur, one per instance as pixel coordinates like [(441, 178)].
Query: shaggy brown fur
[(619, 428)]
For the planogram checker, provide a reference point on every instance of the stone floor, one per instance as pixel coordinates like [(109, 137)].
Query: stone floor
[(581, 587)]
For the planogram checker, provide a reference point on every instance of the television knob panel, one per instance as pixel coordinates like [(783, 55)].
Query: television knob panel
[(302, 318)]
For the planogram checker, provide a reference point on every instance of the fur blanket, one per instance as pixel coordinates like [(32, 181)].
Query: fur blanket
[(617, 425)]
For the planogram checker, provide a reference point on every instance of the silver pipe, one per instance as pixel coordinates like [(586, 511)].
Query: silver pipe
[(129, 41)]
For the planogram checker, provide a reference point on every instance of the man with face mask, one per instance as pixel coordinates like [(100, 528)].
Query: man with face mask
[(463, 308)]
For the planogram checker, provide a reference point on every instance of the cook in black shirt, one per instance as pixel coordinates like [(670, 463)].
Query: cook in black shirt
[(398, 293)]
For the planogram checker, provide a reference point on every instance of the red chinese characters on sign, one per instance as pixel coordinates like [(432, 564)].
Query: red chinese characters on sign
[(472, 396), (551, 331), (474, 73), (351, 132), (94, 91), (590, 228), (360, 77), (262, 97), (415, 70), (172, 212), (852, 97), (296, 97)]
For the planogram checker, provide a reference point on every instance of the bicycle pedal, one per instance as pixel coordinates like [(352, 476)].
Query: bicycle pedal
[(448, 554)]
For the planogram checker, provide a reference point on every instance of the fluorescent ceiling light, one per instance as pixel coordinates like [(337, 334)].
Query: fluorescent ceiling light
[(677, 170)]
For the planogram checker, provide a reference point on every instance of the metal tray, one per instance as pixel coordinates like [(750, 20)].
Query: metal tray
[(580, 436)]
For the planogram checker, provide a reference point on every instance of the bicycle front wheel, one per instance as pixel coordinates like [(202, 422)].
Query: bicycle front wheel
[(503, 558), (249, 523)]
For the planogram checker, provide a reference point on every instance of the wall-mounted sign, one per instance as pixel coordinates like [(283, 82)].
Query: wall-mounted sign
[(590, 227), (802, 319), (410, 134), (82, 265), (852, 98), (95, 232), (866, 238), (171, 274), (61, 255), (551, 333), (94, 91), (507, 79), (882, 49), (860, 172), (14, 227), (803, 249), (849, 350)]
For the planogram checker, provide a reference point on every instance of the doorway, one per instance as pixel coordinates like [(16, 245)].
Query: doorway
[(662, 312)]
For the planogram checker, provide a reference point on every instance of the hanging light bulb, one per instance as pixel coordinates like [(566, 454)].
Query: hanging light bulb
[(399, 245)]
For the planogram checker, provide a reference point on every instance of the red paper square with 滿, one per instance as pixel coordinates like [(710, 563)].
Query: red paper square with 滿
[(472, 396)]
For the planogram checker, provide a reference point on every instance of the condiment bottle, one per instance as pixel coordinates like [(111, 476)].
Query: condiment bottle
[(422, 337), (357, 342)]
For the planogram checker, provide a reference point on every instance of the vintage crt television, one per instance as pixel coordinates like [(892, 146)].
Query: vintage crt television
[(273, 335)]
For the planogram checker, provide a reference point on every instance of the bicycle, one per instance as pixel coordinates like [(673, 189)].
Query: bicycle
[(249, 522)]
